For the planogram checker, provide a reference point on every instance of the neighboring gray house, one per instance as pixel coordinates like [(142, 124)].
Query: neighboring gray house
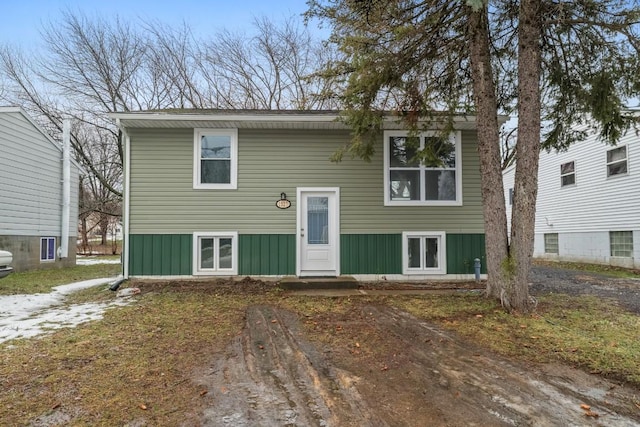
[(38, 197), (254, 193), (588, 207)]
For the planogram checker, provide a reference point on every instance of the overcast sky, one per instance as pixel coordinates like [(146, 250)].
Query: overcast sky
[(21, 20)]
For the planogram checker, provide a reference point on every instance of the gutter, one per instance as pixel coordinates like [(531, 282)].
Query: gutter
[(125, 200)]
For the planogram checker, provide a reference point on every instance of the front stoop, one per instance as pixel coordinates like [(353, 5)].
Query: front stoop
[(309, 283)]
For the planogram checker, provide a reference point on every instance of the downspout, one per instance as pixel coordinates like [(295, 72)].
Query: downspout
[(63, 250), (125, 200)]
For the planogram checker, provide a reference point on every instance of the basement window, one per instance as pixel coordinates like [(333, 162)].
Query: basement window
[(47, 249), (215, 253), (423, 252), (551, 243), (621, 243)]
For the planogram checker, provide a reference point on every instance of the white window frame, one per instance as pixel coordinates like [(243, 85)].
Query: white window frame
[(442, 252), (454, 137), (197, 138), (626, 161), (51, 257), (611, 243), (562, 175), (547, 236), (216, 271)]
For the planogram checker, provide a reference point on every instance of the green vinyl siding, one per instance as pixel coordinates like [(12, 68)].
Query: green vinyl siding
[(267, 254), (160, 254), (273, 161), (462, 250), (371, 254)]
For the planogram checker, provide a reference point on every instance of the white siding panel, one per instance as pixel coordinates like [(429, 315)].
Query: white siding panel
[(584, 213), (30, 180), (595, 202)]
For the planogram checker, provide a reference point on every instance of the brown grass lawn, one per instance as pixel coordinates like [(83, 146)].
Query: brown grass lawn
[(141, 361)]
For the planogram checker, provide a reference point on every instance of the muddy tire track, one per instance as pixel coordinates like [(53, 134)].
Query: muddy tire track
[(490, 390), (271, 376)]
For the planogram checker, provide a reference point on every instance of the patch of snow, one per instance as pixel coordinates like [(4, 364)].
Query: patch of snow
[(24, 316), (89, 260)]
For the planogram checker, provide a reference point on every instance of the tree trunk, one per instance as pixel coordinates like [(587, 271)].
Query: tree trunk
[(516, 296), (495, 222), (104, 227)]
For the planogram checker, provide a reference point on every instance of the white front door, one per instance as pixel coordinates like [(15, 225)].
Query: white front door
[(318, 231)]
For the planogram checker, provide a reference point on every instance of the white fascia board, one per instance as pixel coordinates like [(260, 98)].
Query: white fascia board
[(280, 117), (226, 117)]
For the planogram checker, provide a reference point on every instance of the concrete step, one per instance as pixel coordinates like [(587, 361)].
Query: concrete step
[(309, 283)]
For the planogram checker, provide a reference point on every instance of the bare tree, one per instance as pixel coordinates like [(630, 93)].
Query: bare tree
[(274, 69), (92, 67)]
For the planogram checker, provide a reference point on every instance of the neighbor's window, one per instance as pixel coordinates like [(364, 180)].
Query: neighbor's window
[(215, 253), (551, 243), (434, 181), (567, 174), (423, 252), (511, 197), (215, 158), (621, 243), (617, 161), (47, 249)]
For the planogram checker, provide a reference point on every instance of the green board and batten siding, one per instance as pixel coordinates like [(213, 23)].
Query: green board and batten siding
[(164, 203), (274, 254)]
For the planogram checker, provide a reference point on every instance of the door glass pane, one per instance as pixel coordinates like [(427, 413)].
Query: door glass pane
[(318, 220), (405, 184), (431, 252), (206, 253), (224, 253), (414, 252)]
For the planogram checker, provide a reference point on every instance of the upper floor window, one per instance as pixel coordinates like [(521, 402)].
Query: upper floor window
[(617, 161), (215, 158), (434, 181), (567, 174)]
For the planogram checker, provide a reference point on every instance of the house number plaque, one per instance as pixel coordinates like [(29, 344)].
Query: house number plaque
[(283, 203)]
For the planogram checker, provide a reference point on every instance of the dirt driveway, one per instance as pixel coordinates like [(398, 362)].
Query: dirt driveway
[(388, 368)]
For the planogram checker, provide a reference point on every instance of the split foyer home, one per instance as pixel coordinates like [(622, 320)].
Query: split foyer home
[(254, 193), (38, 194), (588, 207)]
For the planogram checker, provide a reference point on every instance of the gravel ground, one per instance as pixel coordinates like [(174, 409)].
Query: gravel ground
[(546, 279)]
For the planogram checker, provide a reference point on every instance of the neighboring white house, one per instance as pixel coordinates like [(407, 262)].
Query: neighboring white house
[(38, 196), (588, 207)]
